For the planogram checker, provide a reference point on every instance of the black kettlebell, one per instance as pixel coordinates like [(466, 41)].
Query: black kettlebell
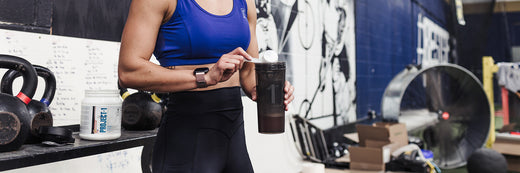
[(39, 110), (485, 160), (140, 110), (14, 116)]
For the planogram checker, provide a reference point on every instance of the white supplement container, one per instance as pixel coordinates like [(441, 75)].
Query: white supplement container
[(101, 115)]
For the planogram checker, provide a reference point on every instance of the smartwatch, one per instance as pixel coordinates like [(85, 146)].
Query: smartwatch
[(199, 75)]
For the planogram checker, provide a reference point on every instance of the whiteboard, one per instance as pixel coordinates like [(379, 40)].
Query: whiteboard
[(78, 64)]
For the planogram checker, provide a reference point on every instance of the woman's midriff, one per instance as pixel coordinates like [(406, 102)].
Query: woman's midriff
[(231, 82)]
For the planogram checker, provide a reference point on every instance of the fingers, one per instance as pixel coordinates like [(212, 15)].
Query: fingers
[(289, 97), (288, 89), (232, 62), (253, 94), (241, 52), (228, 64), (238, 54)]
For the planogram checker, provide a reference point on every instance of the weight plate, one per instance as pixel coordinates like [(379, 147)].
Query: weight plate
[(9, 127)]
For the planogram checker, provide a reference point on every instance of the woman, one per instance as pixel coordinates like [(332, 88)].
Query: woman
[(199, 44)]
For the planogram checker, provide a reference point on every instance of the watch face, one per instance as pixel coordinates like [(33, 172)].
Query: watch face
[(201, 70), (199, 74)]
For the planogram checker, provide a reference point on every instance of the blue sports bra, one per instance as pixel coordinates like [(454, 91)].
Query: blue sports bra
[(195, 36)]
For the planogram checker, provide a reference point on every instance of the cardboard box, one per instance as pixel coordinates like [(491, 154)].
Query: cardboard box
[(507, 146), (369, 158), (513, 163), (510, 148), (383, 132), (376, 143)]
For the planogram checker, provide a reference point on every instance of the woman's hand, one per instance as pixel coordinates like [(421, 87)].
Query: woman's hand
[(288, 97), (226, 66)]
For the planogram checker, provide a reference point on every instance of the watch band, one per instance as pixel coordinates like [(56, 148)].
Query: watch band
[(201, 81), (199, 76)]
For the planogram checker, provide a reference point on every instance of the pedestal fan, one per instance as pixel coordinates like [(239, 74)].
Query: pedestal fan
[(444, 105)]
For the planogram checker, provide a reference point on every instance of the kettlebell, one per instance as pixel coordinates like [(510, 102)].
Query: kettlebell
[(485, 160), (39, 110), (14, 116), (140, 110)]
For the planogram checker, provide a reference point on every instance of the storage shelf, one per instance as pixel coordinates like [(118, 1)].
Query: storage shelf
[(36, 154)]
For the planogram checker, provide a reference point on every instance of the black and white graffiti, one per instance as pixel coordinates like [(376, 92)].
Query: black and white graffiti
[(316, 38)]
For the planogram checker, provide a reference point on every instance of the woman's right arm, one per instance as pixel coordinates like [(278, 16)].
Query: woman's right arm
[(137, 44)]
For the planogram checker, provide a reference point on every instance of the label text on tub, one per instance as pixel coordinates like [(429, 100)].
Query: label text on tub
[(103, 121)]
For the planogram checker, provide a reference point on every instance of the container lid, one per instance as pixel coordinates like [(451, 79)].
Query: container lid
[(266, 66)]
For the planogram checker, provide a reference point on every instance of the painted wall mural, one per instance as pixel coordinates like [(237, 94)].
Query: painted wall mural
[(432, 42), (316, 38)]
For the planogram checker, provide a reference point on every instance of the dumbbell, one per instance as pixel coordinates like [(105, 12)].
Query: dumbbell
[(39, 110), (14, 116), (141, 110)]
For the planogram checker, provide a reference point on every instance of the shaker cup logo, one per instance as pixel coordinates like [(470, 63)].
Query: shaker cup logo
[(272, 89)]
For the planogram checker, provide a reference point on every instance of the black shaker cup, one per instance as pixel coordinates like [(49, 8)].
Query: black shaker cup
[(270, 81)]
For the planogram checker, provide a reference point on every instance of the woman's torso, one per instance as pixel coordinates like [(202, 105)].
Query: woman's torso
[(197, 32)]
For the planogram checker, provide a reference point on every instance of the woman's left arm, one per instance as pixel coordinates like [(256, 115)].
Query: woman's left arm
[(247, 73)]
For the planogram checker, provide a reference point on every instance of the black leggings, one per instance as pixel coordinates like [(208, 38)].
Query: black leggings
[(202, 132)]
